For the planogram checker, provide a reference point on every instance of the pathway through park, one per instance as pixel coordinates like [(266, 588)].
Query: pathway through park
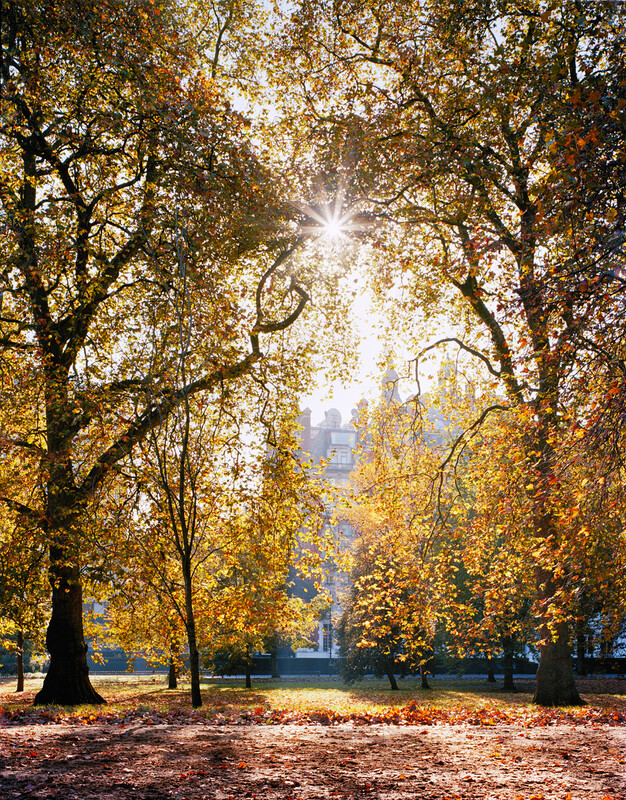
[(201, 761)]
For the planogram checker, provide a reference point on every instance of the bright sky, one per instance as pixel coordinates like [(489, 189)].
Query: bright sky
[(373, 351), (368, 377)]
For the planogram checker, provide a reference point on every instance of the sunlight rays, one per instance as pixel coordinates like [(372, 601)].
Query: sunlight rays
[(333, 220)]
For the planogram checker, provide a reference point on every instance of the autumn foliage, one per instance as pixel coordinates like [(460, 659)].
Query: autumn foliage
[(165, 300)]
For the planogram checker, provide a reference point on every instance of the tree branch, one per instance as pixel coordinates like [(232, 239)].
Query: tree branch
[(463, 346)]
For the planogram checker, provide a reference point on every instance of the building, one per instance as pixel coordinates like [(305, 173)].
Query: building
[(333, 443)]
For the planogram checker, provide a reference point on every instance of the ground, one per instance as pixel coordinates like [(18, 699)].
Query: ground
[(486, 751)]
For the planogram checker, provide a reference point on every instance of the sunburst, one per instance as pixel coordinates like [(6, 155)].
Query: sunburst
[(333, 220)]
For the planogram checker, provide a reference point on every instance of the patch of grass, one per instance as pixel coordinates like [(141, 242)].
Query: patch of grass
[(371, 697)]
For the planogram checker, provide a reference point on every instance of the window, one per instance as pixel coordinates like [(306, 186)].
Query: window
[(342, 437), (340, 457), (326, 637)]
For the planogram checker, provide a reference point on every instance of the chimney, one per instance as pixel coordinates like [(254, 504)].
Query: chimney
[(305, 433)]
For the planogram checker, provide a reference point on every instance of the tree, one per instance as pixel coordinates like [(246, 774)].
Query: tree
[(180, 452), (110, 125), (449, 112), (250, 603), (370, 633), (23, 597), (24, 606), (494, 543), (401, 586)]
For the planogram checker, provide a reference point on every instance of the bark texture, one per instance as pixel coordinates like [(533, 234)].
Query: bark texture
[(67, 680), (172, 677), (555, 676)]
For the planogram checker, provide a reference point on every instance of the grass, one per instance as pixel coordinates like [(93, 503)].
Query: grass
[(371, 697)]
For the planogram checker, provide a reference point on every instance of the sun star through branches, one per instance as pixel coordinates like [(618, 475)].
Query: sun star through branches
[(331, 220)]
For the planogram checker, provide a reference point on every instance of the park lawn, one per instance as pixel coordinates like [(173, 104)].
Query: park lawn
[(300, 698)]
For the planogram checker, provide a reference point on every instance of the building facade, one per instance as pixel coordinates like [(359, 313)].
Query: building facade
[(330, 442)]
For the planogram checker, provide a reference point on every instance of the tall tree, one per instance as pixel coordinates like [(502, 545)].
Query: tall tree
[(24, 596), (494, 542), (279, 511), (24, 600), (451, 112), (401, 585), (110, 124)]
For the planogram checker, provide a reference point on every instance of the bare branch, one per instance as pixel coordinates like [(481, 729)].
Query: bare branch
[(462, 440), (463, 346)]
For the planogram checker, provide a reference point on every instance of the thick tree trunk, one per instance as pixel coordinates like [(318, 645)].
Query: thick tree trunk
[(67, 681), (20, 661), (392, 680), (424, 677), (555, 676), (491, 677)]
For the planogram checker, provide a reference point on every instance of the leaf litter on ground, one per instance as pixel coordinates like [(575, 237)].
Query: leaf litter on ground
[(326, 703)]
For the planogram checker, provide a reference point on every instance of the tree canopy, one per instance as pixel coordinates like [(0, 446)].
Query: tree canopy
[(164, 169), (459, 119)]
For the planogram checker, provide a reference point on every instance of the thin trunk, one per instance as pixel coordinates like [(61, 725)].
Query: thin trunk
[(581, 650), (172, 675), (20, 661), (509, 650), (491, 677), (392, 680), (423, 677), (190, 625), (248, 661)]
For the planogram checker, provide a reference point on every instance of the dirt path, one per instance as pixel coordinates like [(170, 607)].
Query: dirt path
[(310, 762)]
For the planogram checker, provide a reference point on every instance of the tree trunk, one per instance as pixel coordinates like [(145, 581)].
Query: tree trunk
[(20, 661), (423, 677), (248, 671), (509, 685), (392, 680), (274, 657), (555, 677), (194, 671), (491, 677), (172, 675), (67, 681), (190, 626), (581, 650)]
